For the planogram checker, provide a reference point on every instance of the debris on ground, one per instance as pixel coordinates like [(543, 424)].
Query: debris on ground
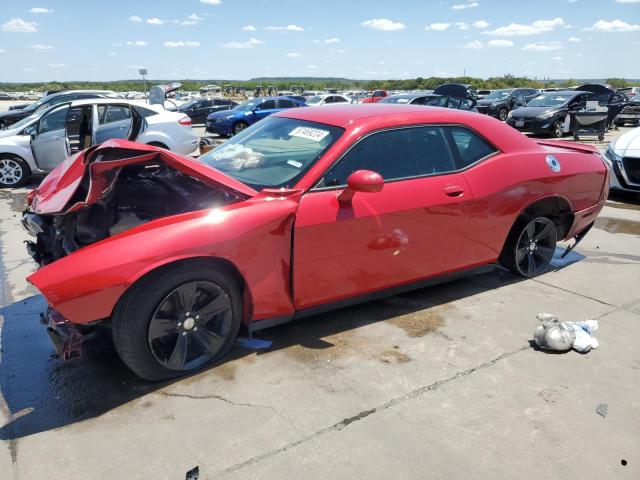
[(562, 336), (601, 409), (193, 474)]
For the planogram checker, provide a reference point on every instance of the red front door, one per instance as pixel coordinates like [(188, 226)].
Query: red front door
[(410, 230)]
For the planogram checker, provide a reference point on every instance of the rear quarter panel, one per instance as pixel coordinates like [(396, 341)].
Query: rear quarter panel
[(506, 184)]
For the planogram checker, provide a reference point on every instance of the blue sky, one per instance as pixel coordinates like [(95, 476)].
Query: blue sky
[(96, 40)]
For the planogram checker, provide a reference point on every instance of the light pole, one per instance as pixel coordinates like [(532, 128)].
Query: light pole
[(143, 72)]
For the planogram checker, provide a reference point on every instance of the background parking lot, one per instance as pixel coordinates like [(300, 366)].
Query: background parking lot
[(439, 383)]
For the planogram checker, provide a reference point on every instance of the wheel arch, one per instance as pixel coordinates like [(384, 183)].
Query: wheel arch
[(556, 207), (209, 261)]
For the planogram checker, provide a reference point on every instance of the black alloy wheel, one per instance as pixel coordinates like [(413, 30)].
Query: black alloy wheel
[(535, 247), (190, 325), (503, 113)]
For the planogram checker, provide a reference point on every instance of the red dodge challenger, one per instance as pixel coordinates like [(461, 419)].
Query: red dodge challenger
[(308, 210)]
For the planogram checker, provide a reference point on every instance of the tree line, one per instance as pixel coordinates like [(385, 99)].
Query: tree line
[(418, 83)]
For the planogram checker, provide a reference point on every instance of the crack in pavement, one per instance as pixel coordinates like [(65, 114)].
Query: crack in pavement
[(574, 293), (213, 396), (365, 413)]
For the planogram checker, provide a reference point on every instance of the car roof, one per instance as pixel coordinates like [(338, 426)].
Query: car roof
[(349, 115), (69, 92)]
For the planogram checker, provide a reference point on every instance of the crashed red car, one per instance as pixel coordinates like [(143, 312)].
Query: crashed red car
[(307, 210)]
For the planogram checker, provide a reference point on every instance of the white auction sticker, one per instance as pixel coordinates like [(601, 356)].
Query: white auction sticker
[(309, 133), (293, 163)]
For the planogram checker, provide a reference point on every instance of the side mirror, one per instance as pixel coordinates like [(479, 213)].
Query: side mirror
[(361, 181), (31, 130)]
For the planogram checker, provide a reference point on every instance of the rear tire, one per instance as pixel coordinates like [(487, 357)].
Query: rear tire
[(156, 326), (530, 246), (14, 171)]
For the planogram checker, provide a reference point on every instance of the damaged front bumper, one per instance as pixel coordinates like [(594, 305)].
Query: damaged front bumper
[(65, 336)]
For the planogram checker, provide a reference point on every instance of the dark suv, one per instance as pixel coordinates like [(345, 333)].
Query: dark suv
[(200, 108), (500, 102), (13, 116)]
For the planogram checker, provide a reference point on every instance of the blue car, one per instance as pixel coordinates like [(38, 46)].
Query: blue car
[(233, 121)]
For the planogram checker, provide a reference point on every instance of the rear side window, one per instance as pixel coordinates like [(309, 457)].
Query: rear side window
[(268, 105), (395, 154), (470, 147), (282, 103), (145, 112), (115, 113)]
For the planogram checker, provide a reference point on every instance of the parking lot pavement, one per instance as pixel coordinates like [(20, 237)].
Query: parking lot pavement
[(438, 383)]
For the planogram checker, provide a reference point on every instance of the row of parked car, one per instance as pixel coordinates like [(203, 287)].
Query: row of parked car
[(37, 138)]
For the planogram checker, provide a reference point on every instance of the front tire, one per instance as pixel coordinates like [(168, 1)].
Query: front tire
[(14, 171), (558, 129), (177, 320), (503, 113), (530, 247), (238, 127)]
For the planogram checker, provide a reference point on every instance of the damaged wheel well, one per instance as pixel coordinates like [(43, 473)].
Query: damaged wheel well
[(555, 208)]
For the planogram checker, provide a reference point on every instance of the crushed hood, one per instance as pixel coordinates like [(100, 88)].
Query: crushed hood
[(84, 178)]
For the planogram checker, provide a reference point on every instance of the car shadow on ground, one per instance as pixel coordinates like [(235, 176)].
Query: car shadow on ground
[(43, 393)]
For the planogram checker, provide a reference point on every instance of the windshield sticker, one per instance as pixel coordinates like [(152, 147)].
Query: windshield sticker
[(309, 133), (293, 163), (403, 100)]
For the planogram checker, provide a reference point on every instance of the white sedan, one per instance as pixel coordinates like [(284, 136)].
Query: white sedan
[(328, 99), (38, 143)]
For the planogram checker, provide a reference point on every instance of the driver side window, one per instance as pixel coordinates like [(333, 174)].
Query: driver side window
[(53, 121), (395, 154)]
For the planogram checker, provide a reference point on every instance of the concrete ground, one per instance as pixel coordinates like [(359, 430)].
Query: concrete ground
[(438, 383)]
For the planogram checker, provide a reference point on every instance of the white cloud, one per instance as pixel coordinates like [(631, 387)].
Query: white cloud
[(39, 46), (500, 43), (288, 28), (113, 54), (331, 40), (462, 25), (535, 28), (19, 25), (137, 67), (249, 28), (57, 65), (29, 69), (543, 46), (438, 26), (574, 39), (311, 67), (339, 50), (40, 10), (211, 2), (181, 44), (135, 19), (154, 21), (138, 43), (382, 62), (628, 1), (475, 45), (192, 19), (2, 50), (614, 26), (556, 59), (383, 24), (418, 62), (252, 42), (481, 24), (463, 6), (292, 55)]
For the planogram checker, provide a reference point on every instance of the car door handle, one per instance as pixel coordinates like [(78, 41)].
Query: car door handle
[(454, 190)]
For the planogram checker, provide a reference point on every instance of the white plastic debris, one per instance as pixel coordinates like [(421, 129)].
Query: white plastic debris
[(562, 336)]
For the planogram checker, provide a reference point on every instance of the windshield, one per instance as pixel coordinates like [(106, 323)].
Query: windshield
[(24, 122), (396, 100), (315, 99), (498, 95), (247, 106), (551, 99), (34, 106), (273, 153)]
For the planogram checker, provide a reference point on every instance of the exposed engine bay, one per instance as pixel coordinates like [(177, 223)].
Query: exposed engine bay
[(137, 194)]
